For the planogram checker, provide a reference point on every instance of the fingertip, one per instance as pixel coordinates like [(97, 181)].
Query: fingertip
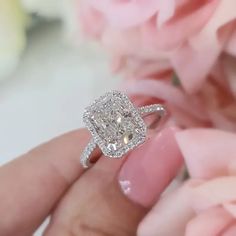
[(150, 168)]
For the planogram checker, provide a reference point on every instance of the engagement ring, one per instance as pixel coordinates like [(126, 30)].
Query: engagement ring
[(116, 125)]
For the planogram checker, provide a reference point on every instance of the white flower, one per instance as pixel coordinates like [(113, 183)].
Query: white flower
[(45, 8), (12, 35), (64, 10)]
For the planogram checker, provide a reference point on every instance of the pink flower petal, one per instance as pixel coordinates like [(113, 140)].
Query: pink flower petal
[(230, 231), (204, 49), (87, 17), (224, 13), (124, 14), (193, 66), (221, 121), (209, 223), (231, 45), (218, 191), (229, 64), (167, 10), (170, 215), (167, 92), (184, 119), (173, 34), (231, 208), (207, 152)]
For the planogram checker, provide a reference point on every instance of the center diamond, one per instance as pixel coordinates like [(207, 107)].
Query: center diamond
[(115, 124)]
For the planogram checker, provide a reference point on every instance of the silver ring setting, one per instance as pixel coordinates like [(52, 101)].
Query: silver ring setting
[(116, 125)]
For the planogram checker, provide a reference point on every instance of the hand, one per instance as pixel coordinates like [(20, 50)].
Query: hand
[(49, 180)]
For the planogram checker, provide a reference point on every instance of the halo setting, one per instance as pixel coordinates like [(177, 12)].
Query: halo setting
[(115, 124)]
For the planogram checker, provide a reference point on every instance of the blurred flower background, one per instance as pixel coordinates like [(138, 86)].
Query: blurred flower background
[(55, 56), (13, 35), (45, 72), (18, 17), (181, 52)]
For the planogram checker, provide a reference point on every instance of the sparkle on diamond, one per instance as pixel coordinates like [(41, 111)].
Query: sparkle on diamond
[(116, 124)]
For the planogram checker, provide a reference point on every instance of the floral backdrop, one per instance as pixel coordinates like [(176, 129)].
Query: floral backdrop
[(180, 53)]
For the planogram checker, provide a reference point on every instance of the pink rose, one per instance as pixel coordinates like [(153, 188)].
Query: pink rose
[(205, 205), (125, 14), (146, 37), (213, 106)]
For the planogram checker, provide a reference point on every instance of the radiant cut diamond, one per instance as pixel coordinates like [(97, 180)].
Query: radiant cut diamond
[(115, 124)]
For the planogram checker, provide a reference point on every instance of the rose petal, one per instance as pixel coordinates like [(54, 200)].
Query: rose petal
[(230, 70), (124, 14), (170, 215), (167, 10), (166, 92), (209, 223), (177, 31), (214, 192), (207, 152), (231, 45), (221, 121), (230, 231), (231, 208), (204, 48)]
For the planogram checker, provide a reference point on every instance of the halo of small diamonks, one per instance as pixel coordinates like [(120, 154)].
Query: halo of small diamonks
[(115, 124)]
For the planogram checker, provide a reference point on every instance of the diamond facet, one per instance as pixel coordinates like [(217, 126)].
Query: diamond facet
[(115, 124)]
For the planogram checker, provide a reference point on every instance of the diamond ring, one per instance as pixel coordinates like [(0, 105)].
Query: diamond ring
[(116, 125)]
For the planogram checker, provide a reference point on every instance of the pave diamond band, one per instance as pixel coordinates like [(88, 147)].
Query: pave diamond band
[(116, 125), (87, 152)]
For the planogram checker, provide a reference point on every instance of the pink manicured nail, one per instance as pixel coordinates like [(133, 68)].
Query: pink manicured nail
[(150, 168)]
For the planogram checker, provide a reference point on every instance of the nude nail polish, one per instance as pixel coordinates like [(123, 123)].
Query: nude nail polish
[(150, 168)]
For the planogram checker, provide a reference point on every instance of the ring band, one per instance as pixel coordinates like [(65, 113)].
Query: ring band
[(116, 125)]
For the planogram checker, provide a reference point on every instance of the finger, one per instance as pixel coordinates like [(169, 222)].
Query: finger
[(98, 205), (32, 184)]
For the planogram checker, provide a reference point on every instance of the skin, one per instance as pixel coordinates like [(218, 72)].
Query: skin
[(50, 181)]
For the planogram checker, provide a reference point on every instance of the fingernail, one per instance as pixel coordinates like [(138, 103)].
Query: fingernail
[(149, 169)]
